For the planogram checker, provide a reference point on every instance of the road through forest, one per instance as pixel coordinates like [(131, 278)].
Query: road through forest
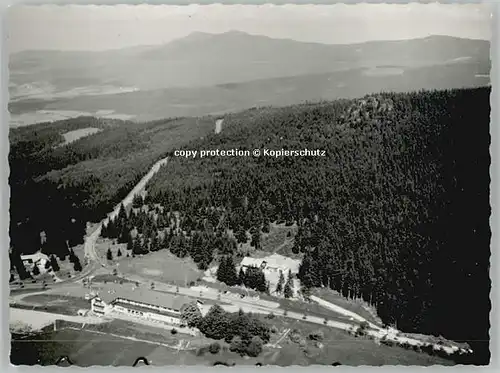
[(255, 305)]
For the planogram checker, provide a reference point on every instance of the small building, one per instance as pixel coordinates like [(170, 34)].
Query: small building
[(273, 264), (37, 258), (141, 303)]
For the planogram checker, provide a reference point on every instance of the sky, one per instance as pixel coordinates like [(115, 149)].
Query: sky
[(91, 27)]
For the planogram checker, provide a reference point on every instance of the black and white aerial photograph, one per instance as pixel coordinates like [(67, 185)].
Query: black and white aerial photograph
[(249, 185)]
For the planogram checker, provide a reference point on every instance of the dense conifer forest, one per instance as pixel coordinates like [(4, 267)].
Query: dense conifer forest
[(396, 213)]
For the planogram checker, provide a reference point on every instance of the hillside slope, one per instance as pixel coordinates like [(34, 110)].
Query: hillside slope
[(396, 213)]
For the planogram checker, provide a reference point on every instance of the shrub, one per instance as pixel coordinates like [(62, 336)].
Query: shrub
[(325, 321), (214, 348), (317, 336), (270, 316), (255, 347), (274, 329), (201, 351), (173, 331), (304, 317), (364, 325), (360, 332), (237, 345), (302, 342), (295, 337)]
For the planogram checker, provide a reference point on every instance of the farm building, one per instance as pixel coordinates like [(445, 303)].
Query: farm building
[(37, 258), (141, 303), (272, 264)]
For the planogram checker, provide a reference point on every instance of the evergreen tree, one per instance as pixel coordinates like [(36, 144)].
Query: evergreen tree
[(281, 282), (288, 289), (119, 253), (124, 234), (54, 264), (221, 273), (137, 201), (231, 274), (256, 240), (122, 214), (154, 246), (215, 324), (77, 266), (241, 235), (109, 255), (130, 242), (241, 277)]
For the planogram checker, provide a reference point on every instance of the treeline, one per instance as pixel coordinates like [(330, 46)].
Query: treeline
[(397, 213), (56, 190)]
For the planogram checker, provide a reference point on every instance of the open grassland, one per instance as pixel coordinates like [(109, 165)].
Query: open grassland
[(355, 306), (161, 266)]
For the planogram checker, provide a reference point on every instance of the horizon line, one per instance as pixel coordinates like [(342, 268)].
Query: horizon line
[(244, 33)]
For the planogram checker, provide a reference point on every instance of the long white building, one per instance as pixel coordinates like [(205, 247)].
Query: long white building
[(141, 303)]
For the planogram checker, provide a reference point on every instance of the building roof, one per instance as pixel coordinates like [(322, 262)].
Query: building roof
[(276, 261), (35, 257), (110, 292)]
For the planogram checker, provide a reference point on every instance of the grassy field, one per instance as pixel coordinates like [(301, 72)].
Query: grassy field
[(89, 346), (56, 303), (339, 346), (109, 278), (84, 348), (161, 266), (354, 306), (280, 239)]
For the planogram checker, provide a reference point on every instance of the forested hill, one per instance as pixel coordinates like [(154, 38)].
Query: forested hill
[(57, 189), (397, 212)]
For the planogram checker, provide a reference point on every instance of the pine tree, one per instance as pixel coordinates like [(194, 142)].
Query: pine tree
[(256, 240), (221, 273), (241, 235), (137, 248), (232, 275), (137, 202), (261, 284), (122, 214), (124, 234), (119, 253), (130, 242), (77, 265), (288, 289), (54, 263), (241, 277), (154, 243), (109, 255), (281, 281)]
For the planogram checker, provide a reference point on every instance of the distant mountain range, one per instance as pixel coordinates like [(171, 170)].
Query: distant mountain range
[(236, 70)]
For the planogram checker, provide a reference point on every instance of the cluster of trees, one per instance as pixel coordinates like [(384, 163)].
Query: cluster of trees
[(285, 287), (246, 333), (152, 228), (389, 215), (252, 277)]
